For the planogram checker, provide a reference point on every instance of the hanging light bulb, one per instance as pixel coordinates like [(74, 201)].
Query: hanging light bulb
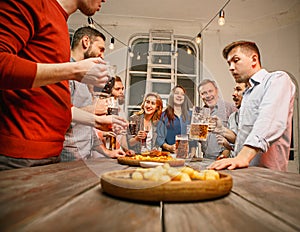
[(159, 60), (138, 57), (198, 38), (221, 20), (91, 22), (131, 54), (112, 43), (189, 50)]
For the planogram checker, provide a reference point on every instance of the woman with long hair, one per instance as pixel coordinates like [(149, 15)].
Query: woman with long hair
[(174, 120), (146, 121)]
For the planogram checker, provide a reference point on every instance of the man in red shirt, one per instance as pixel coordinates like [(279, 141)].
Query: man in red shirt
[(35, 107)]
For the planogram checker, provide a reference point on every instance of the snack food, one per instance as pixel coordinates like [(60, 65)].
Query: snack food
[(127, 185), (157, 156), (167, 173)]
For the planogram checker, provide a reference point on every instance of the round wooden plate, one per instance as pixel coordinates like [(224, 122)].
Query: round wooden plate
[(133, 162), (119, 184)]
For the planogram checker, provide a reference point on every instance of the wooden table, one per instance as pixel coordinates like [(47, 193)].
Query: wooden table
[(68, 197)]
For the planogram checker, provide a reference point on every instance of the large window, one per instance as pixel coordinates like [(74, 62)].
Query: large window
[(160, 62)]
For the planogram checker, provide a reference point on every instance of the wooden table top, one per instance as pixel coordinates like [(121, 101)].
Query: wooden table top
[(68, 197)]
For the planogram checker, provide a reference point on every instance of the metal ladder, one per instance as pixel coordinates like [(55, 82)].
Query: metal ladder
[(161, 60)]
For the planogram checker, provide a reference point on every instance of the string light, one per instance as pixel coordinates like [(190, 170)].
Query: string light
[(210, 21), (131, 54), (198, 38), (90, 19), (112, 43), (91, 22), (221, 20)]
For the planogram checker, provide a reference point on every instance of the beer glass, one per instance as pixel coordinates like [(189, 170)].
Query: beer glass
[(199, 123), (182, 146), (144, 141), (132, 127), (113, 108)]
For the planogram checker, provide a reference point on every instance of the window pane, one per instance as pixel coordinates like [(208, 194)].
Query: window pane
[(137, 89), (185, 62), (161, 88), (190, 87), (140, 49)]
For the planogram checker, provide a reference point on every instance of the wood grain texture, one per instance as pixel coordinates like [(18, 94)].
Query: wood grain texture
[(68, 197), (276, 192), (95, 211), (231, 213), (37, 191)]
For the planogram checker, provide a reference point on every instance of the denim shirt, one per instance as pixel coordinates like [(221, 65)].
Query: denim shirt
[(166, 131)]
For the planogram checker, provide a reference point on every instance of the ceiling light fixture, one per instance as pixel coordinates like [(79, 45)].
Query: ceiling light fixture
[(221, 20)]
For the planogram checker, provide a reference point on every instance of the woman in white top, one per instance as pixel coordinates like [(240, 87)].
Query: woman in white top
[(146, 120)]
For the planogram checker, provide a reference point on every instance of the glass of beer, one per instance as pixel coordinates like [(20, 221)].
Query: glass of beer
[(132, 127), (112, 143), (199, 123), (182, 146), (113, 108)]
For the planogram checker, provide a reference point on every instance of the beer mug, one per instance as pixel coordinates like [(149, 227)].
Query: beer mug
[(182, 146), (199, 123)]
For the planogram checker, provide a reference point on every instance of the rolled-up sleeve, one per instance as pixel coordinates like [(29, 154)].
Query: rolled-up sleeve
[(271, 111)]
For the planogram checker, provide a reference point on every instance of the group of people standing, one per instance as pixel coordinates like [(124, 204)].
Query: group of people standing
[(48, 110)]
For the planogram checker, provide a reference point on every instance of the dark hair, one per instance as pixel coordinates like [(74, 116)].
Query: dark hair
[(118, 79), (83, 31), (244, 45), (169, 111)]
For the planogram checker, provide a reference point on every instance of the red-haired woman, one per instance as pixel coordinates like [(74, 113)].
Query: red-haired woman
[(146, 121)]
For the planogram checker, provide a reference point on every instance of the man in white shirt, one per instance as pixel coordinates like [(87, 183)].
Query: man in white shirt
[(265, 118)]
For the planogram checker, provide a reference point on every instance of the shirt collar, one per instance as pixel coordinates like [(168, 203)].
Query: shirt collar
[(258, 77)]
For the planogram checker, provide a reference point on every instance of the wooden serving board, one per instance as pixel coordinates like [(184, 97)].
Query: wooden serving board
[(119, 184), (134, 162)]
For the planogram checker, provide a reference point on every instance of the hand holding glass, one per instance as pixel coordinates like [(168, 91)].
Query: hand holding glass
[(99, 73), (199, 123)]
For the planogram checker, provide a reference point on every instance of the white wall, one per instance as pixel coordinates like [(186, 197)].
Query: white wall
[(280, 50), (279, 46)]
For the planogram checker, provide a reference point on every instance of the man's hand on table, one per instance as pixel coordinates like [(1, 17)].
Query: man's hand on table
[(242, 160)]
